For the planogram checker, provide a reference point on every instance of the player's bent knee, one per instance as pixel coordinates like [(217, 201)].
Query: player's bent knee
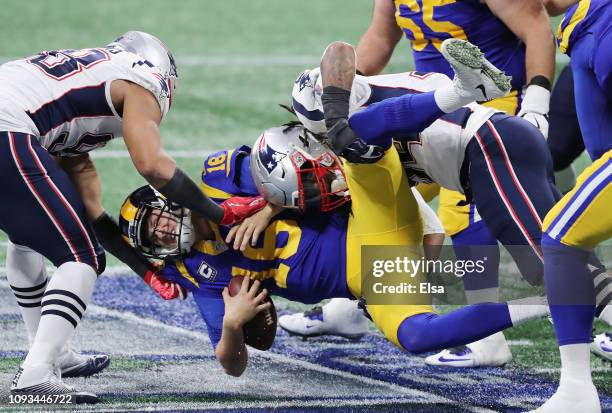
[(415, 336)]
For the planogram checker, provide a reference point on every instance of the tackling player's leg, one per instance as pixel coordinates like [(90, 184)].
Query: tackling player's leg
[(58, 228), (575, 225), (27, 277)]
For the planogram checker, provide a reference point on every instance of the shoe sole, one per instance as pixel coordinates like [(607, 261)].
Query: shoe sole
[(601, 354), (84, 370), (458, 51), (354, 337)]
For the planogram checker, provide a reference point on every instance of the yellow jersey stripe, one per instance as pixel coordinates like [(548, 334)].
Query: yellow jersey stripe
[(180, 265), (577, 17), (214, 192)]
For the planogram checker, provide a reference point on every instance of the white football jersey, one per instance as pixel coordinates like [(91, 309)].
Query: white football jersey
[(63, 97), (434, 155)]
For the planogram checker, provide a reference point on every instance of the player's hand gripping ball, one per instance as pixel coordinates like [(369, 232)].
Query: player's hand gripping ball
[(260, 331)]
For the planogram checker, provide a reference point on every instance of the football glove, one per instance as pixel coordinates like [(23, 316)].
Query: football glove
[(361, 152), (535, 106), (237, 208), (168, 290)]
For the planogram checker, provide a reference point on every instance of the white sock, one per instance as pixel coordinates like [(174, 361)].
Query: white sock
[(576, 363), (484, 295), (528, 308), (449, 100), (26, 274), (63, 305)]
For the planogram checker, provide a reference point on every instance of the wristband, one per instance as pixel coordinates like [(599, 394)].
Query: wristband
[(542, 81)]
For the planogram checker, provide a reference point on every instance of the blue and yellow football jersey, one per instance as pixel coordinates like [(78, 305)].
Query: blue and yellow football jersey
[(299, 257), (427, 23), (583, 17), (222, 172), (303, 257)]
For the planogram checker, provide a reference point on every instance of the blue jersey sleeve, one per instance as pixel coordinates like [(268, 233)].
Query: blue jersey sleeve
[(222, 174), (212, 310)]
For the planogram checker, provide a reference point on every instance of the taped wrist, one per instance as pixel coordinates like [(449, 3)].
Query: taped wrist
[(335, 104), (336, 110), (182, 190), (108, 233)]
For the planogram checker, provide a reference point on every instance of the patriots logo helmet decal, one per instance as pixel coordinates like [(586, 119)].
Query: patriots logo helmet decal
[(269, 157), (304, 80)]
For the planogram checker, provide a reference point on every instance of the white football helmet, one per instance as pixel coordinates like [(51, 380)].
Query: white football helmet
[(154, 51), (293, 169)]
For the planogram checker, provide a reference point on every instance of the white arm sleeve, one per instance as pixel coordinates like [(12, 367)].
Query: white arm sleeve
[(431, 222)]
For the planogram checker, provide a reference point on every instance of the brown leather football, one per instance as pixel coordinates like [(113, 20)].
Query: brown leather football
[(259, 332)]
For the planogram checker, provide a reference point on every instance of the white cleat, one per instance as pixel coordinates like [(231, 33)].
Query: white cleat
[(73, 364), (475, 76), (492, 351), (44, 380), (572, 396), (602, 346), (339, 317)]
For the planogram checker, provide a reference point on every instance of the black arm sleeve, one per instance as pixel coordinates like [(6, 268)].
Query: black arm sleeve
[(110, 237), (182, 190), (336, 110)]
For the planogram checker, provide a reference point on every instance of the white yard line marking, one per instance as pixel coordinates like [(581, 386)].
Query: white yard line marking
[(551, 370), (398, 389), (521, 343), (430, 397), (124, 154)]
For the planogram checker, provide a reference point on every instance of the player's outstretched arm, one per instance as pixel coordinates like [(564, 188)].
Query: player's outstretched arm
[(337, 74), (557, 7), (376, 46), (528, 20), (239, 309), (84, 175), (141, 118)]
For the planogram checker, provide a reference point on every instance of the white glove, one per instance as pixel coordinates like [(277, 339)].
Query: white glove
[(535, 106)]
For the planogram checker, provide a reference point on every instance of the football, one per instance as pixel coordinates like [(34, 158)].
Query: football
[(259, 332)]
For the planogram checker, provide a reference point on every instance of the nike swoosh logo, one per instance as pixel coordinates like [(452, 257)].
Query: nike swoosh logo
[(445, 360), (482, 89), (606, 349)]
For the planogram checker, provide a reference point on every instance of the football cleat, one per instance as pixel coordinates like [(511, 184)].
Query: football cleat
[(74, 364), (339, 317), (602, 346), (492, 351), (572, 396), (45, 381), (475, 76)]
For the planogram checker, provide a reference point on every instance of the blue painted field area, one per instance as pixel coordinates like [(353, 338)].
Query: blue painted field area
[(163, 361)]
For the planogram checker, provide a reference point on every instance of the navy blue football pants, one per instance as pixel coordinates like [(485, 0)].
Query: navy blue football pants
[(512, 184), (41, 208)]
